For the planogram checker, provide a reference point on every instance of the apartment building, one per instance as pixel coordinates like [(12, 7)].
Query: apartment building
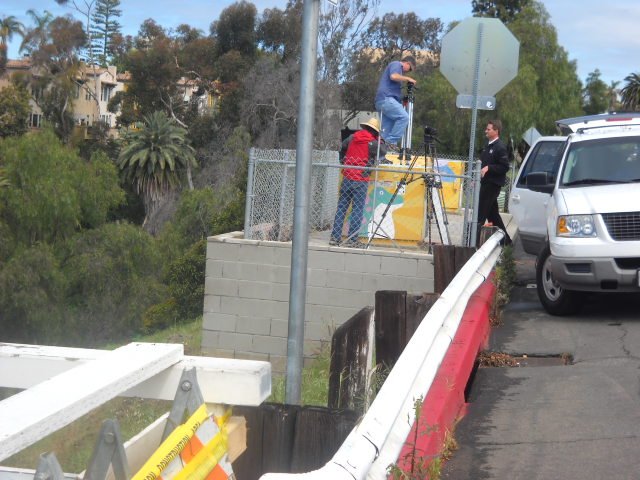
[(95, 87)]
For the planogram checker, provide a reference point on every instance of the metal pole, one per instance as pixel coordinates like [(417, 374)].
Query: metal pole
[(299, 249), (471, 240), (248, 202)]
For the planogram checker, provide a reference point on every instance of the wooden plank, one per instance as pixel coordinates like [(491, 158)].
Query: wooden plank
[(222, 380), (417, 307), (48, 406), (390, 322), (319, 433), (443, 266), (351, 353)]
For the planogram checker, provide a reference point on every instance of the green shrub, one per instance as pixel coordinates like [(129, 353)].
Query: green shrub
[(113, 275), (160, 316), (186, 282), (32, 296)]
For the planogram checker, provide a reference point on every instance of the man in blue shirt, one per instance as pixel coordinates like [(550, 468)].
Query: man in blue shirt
[(389, 99)]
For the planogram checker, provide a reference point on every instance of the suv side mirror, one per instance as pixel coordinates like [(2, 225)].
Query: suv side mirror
[(542, 182)]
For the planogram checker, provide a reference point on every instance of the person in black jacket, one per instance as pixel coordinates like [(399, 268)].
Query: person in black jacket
[(495, 165)]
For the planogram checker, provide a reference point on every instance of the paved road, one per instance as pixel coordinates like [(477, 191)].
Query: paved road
[(556, 422)]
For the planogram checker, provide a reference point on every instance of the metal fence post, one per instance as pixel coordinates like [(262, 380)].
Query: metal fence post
[(248, 202)]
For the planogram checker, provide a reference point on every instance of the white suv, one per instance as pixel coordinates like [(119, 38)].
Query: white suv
[(577, 204)]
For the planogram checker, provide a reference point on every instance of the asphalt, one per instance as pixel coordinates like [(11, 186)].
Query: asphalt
[(547, 420)]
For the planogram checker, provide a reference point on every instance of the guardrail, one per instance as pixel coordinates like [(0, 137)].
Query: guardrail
[(376, 442)]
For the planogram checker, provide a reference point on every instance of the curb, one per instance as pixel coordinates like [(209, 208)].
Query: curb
[(445, 402)]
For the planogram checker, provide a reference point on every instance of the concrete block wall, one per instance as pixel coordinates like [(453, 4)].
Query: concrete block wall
[(246, 302)]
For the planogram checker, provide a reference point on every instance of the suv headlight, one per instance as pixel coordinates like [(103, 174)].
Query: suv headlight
[(576, 226)]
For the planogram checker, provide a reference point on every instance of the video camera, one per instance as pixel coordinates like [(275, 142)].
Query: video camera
[(430, 134)]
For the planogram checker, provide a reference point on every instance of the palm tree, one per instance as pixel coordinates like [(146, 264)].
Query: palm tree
[(153, 156), (631, 92), (9, 26), (34, 37)]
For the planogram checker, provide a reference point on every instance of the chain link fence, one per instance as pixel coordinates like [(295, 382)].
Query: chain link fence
[(396, 201)]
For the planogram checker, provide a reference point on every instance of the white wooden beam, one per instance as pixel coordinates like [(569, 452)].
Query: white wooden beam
[(54, 403), (221, 380)]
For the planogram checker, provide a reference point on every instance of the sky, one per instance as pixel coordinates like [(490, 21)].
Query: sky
[(596, 34)]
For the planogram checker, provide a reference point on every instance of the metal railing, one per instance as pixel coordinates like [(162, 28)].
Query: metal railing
[(376, 441)]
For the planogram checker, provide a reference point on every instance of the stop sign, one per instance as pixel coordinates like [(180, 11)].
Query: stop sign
[(482, 43)]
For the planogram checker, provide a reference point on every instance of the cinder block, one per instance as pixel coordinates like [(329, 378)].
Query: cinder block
[(224, 287), (425, 269), (279, 328), (278, 363), (211, 303), (251, 289), (272, 273), (246, 307), (217, 250), (326, 260), (253, 325), (257, 254), (262, 357), (219, 322), (282, 256), (345, 280), (239, 270), (317, 331), (359, 263), (316, 277), (280, 292), (329, 315), (235, 341), (210, 340), (213, 268), (270, 345), (318, 296), (407, 267)]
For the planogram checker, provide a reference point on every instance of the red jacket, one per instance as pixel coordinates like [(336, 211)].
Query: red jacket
[(358, 154)]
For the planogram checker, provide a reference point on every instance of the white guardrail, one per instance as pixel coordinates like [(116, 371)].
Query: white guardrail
[(377, 440)]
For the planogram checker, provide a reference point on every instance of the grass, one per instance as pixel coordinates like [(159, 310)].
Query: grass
[(315, 382)]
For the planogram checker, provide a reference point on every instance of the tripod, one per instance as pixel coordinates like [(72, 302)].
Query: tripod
[(407, 102), (434, 198), (434, 201)]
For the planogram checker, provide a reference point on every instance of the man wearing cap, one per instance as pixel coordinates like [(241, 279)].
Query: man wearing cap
[(389, 99), (362, 151)]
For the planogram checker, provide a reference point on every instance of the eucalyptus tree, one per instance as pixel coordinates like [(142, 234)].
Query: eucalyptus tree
[(15, 108), (596, 94), (505, 10), (631, 92), (558, 90), (153, 157)]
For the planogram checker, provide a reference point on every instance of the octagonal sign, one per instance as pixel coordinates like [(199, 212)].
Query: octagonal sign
[(488, 40)]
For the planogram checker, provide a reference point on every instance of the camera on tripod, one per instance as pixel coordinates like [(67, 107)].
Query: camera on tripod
[(430, 134)]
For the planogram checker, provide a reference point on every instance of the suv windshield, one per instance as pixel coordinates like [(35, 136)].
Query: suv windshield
[(597, 162)]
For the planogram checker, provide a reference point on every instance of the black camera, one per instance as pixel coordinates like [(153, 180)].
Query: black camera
[(432, 132)]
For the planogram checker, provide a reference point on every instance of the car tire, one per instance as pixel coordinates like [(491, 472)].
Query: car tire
[(555, 299)]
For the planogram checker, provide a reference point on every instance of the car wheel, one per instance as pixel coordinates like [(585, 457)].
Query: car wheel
[(555, 299)]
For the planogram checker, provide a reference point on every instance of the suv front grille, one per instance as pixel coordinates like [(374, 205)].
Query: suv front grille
[(623, 226)]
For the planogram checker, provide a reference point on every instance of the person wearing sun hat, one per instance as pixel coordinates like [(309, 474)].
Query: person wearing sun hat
[(388, 99), (360, 149)]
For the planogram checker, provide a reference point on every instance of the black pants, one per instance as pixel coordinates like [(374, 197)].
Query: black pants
[(488, 210)]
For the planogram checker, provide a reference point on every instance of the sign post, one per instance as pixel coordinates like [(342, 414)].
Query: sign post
[(479, 57)]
